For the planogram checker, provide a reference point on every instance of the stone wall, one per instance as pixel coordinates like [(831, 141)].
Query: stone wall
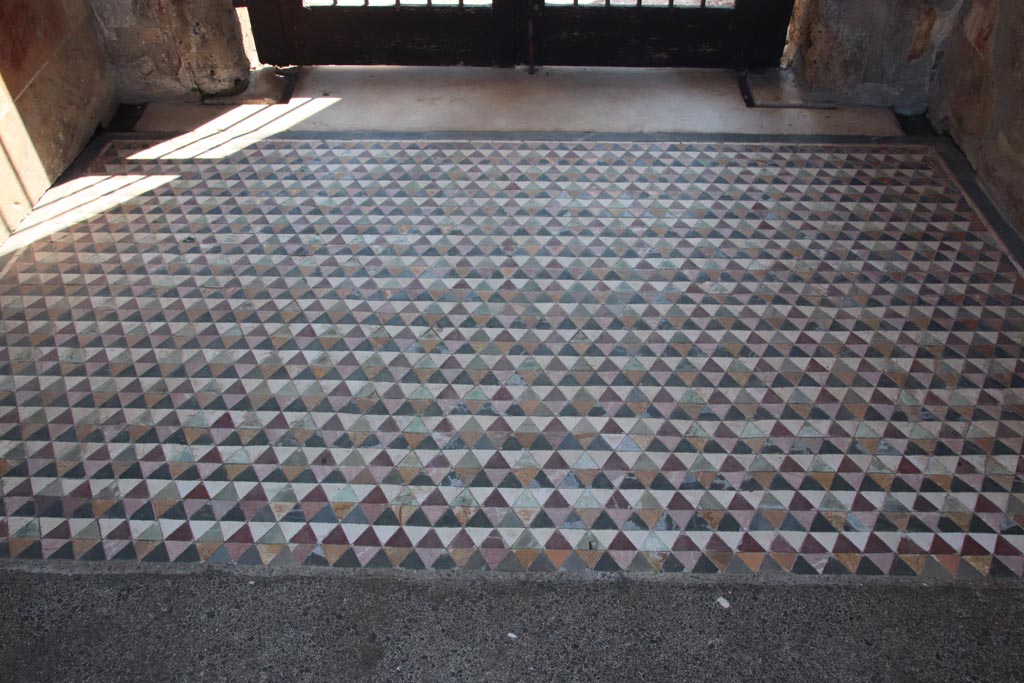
[(173, 49), (979, 98), (55, 89), (873, 52)]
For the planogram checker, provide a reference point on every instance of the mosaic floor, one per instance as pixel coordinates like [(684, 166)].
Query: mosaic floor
[(642, 356)]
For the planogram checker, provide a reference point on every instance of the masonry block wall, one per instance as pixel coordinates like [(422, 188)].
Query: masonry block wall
[(55, 89)]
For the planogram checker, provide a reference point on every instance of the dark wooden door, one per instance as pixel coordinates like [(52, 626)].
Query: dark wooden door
[(425, 32), (704, 33), (700, 33)]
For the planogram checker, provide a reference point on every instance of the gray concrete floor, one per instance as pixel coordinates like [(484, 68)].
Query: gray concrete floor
[(103, 623), (555, 99)]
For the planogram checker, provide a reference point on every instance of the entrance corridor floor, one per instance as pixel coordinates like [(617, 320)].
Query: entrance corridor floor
[(584, 354)]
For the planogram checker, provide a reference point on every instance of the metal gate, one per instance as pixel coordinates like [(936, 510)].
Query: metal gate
[(704, 33)]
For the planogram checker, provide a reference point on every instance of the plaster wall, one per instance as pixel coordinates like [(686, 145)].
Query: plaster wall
[(979, 98), (55, 89), (871, 52), (173, 49)]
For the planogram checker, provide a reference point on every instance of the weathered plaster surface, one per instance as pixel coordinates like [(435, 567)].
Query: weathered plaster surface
[(55, 89), (876, 52), (979, 97), (173, 49)]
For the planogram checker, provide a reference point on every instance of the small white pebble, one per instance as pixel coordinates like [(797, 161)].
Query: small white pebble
[(252, 583), (723, 603), (512, 635)]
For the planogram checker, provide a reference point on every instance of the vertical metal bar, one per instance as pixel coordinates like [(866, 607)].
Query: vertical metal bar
[(531, 45)]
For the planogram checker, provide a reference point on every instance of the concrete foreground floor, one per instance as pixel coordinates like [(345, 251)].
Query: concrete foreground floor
[(124, 622)]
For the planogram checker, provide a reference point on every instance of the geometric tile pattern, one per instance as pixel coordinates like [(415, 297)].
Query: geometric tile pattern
[(586, 355)]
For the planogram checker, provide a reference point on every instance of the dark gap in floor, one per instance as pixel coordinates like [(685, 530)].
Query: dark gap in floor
[(124, 119), (917, 125)]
